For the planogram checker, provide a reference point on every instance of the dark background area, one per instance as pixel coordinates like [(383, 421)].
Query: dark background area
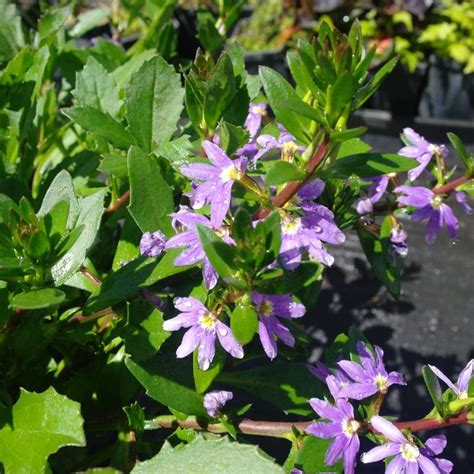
[(432, 321)]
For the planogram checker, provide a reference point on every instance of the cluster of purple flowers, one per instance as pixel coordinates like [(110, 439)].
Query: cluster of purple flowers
[(427, 204), (358, 381), (205, 327)]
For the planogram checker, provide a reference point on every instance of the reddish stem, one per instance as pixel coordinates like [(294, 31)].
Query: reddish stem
[(115, 206), (451, 186), (281, 429), (294, 186)]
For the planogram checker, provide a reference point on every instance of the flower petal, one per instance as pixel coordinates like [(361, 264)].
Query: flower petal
[(209, 274), (220, 203), (353, 370), (183, 320), (358, 391), (336, 449), (191, 340), (388, 429), (427, 465), (324, 430), (200, 171), (350, 454), (326, 410), (465, 376), (189, 304), (381, 452), (216, 155), (282, 332), (206, 350), (436, 444), (228, 341), (445, 379), (268, 341), (397, 465), (449, 220)]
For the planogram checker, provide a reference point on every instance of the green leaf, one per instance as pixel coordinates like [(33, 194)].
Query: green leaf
[(96, 88), (377, 251), (311, 458), (88, 20), (91, 209), (281, 282), (135, 417), (244, 323), (220, 254), (35, 299), (279, 92), (232, 137), (176, 151), (364, 93), (61, 189), (434, 388), (287, 385), (169, 381), (44, 422), (207, 33), (345, 135), (283, 172), (204, 378), (211, 456), (100, 124), (144, 333), (367, 165), (114, 164), (461, 151), (154, 101), (52, 21), (127, 280), (354, 146), (339, 95), (151, 199)]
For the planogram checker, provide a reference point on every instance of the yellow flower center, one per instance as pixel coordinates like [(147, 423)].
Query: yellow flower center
[(208, 320), (436, 202), (410, 452), (463, 396), (289, 149), (230, 173), (266, 308), (290, 225), (381, 383), (258, 110), (350, 427)]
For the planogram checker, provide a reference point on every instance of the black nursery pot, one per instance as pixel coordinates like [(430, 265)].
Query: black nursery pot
[(449, 93), (400, 91), (276, 59)]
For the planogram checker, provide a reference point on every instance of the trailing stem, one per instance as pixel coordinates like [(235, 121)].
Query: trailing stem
[(277, 429)]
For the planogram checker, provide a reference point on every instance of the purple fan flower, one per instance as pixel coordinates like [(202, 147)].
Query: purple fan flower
[(429, 206), (370, 376), (214, 401), (408, 457), (338, 380), (286, 142), (204, 327), (308, 231), (461, 198), (342, 426), (217, 180), (376, 191), (398, 239), (421, 150), (269, 309), (254, 118), (152, 244), (190, 239), (460, 388)]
